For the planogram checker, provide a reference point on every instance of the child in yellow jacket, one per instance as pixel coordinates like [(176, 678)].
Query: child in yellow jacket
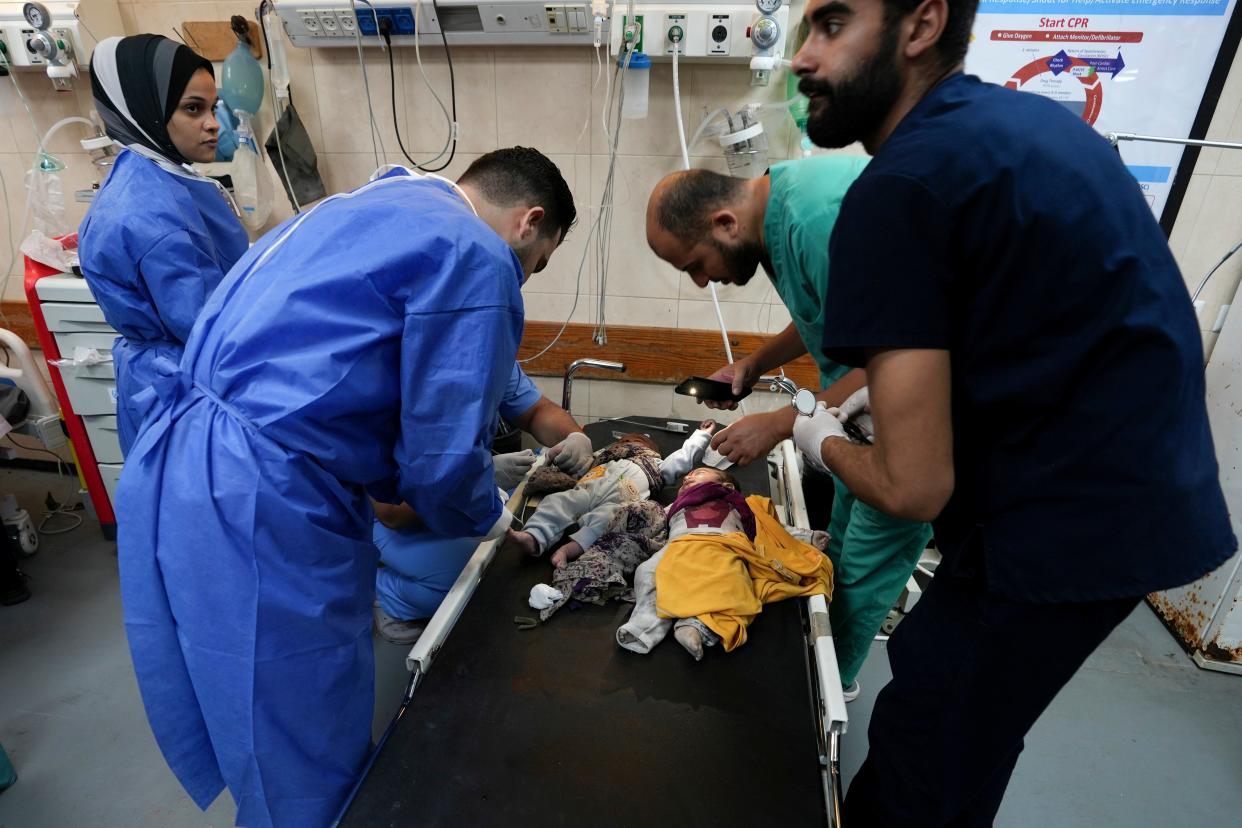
[(726, 557)]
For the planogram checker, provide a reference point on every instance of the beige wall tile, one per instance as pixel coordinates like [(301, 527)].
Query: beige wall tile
[(1188, 215), (778, 317), (1209, 343), (562, 273), (542, 97), (12, 169), (342, 97), (1230, 163), (555, 307), (633, 269), (128, 19), (1215, 232), (610, 398), (10, 111), (343, 171), (48, 107), (738, 316), (657, 133), (550, 387), (626, 310), (475, 75), (164, 17)]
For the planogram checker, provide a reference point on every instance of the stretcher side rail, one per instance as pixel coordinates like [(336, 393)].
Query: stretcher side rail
[(832, 719), (423, 653)]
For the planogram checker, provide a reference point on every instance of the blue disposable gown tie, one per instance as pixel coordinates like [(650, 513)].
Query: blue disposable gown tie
[(153, 246), (359, 348)]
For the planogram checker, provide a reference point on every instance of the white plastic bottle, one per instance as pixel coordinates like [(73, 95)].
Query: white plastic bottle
[(252, 188)]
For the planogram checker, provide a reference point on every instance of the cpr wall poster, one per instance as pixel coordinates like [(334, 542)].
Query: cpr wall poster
[(1136, 66)]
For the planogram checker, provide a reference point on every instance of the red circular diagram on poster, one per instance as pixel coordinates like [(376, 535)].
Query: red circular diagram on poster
[(1073, 82)]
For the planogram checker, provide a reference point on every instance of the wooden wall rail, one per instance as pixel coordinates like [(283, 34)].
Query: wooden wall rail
[(20, 321), (660, 355)]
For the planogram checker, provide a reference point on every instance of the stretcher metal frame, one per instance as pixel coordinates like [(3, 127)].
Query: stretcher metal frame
[(784, 472)]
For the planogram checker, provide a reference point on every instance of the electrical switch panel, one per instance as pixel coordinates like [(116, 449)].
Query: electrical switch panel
[(569, 19)]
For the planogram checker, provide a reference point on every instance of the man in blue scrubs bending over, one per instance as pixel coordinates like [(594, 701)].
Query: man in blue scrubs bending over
[(419, 566), (1036, 386), (359, 349)]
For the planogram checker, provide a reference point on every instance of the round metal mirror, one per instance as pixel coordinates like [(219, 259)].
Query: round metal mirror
[(804, 402)]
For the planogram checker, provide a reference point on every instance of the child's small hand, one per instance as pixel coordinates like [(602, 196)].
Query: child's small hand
[(707, 425)]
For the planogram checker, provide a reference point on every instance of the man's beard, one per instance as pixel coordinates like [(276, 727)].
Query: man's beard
[(741, 259), (855, 108)]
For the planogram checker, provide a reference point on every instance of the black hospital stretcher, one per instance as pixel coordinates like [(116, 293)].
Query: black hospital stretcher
[(558, 725)]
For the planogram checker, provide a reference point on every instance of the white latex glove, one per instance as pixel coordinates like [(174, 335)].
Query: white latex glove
[(573, 455), (857, 403), (810, 433), (512, 467), (543, 596)]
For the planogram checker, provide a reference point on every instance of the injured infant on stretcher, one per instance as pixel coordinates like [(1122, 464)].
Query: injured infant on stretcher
[(726, 556), (625, 472)]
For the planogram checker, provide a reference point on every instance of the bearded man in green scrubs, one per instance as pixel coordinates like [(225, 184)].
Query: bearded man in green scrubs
[(721, 229)]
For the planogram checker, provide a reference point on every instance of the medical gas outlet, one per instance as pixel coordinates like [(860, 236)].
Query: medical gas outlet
[(45, 37), (766, 33), (705, 31)]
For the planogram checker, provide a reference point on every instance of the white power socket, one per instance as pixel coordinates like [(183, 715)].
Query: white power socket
[(49, 430)]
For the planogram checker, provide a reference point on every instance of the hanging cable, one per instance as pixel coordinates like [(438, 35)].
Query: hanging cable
[(597, 224), (599, 71), (450, 142), (607, 203), (59, 510), (1215, 267), (448, 57), (366, 84), (681, 127)]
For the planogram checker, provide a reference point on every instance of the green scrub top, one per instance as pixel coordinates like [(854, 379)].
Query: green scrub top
[(803, 204)]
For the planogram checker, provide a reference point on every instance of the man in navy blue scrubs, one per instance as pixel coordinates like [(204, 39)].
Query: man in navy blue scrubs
[(1036, 386)]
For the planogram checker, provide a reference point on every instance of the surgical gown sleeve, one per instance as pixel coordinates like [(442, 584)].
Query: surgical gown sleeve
[(455, 366), (180, 275)]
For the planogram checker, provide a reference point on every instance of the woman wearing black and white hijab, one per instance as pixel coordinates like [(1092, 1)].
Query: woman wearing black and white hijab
[(159, 236)]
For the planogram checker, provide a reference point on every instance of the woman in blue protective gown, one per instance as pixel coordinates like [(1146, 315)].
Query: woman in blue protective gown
[(360, 349), (158, 237)]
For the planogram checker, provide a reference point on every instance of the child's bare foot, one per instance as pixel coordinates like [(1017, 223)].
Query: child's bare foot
[(571, 551), (524, 541), (819, 539), (690, 639)]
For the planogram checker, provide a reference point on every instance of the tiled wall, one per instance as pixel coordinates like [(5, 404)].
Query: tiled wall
[(552, 98), (18, 145), (1208, 223)]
